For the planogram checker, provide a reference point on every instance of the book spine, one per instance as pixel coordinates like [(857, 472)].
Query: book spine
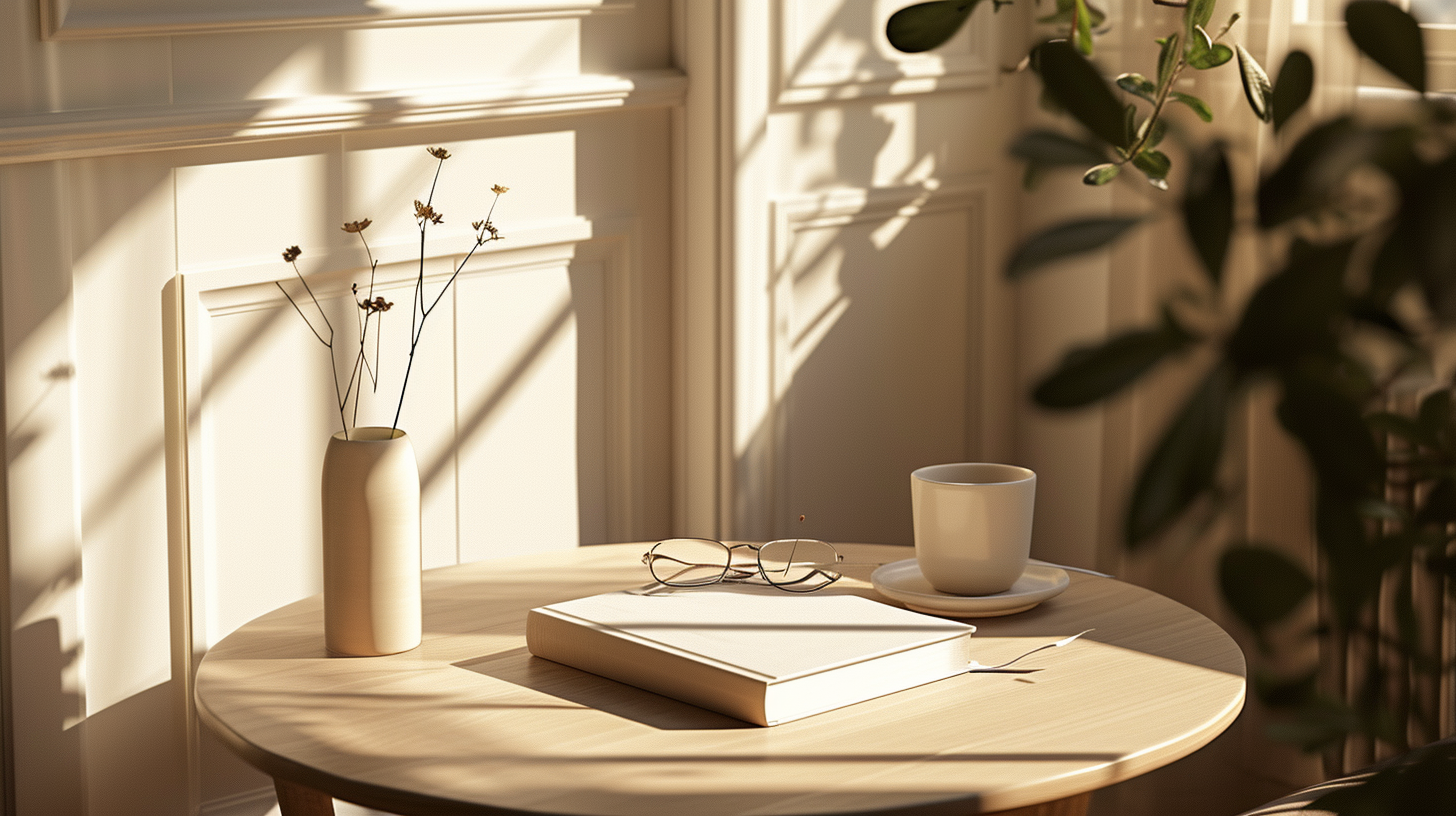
[(627, 659)]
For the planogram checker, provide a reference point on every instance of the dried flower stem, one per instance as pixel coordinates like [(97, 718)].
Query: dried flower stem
[(291, 255), (425, 215)]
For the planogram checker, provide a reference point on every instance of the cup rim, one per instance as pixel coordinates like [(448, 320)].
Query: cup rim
[(940, 474)]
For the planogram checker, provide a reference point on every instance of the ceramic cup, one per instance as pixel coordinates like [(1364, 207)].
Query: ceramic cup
[(972, 525)]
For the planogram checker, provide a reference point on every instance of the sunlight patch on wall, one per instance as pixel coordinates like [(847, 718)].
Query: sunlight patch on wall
[(282, 201), (301, 73)]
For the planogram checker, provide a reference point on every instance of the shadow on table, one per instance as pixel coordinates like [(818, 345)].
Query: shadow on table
[(520, 667)]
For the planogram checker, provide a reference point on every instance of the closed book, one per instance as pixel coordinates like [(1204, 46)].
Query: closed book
[(755, 653)]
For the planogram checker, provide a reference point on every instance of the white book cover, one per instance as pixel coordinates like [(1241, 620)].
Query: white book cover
[(756, 653)]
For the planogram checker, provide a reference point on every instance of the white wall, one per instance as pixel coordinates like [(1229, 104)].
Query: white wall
[(166, 408)]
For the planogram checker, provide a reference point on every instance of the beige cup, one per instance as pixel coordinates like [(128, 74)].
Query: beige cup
[(972, 525)]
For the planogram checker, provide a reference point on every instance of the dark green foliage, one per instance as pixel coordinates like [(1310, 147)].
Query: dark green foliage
[(1208, 208), (1087, 375), (1391, 37), (1312, 169), (1080, 91), (1066, 240), (1183, 465), (1430, 211), (926, 26), (1291, 316), (1329, 425), (1292, 87), (1052, 149), (1384, 482), (1262, 586)]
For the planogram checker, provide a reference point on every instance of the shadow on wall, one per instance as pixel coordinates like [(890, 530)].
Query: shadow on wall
[(878, 309)]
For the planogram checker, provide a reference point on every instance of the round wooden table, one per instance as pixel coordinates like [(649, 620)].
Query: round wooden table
[(470, 723)]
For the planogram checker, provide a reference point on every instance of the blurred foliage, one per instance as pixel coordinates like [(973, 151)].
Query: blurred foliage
[(1361, 215)]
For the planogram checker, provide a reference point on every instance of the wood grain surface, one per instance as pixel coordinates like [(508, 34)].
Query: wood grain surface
[(469, 722)]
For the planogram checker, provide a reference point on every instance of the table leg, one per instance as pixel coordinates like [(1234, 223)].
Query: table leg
[(1071, 806), (299, 800)]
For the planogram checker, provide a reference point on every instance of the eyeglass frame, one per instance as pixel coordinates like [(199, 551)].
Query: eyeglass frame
[(741, 572)]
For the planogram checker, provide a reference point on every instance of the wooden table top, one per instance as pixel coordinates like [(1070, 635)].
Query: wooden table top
[(470, 722)]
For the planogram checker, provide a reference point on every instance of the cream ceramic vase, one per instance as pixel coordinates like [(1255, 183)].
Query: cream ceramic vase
[(371, 526)]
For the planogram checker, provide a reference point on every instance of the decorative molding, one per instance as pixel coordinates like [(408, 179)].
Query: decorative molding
[(81, 134), (95, 19), (194, 298), (878, 70), (836, 209)]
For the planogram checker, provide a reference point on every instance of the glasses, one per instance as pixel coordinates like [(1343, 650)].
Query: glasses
[(791, 564)]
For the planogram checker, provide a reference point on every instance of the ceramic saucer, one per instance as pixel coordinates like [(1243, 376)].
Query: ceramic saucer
[(902, 581)]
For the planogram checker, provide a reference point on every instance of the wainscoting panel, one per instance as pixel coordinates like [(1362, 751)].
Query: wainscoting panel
[(824, 54), (876, 351)]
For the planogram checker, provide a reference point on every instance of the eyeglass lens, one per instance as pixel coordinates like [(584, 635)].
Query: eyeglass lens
[(798, 564), (688, 561)]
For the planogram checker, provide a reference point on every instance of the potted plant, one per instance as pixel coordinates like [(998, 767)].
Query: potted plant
[(371, 481), (1363, 213)]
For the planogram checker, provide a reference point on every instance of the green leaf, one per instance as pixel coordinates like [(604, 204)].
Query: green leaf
[(1393, 265), (1138, 85), (1067, 10), (1256, 83), (925, 26), (1183, 465), (1154, 164), (1197, 14), (1082, 27), (1216, 55), (1434, 417), (1399, 425), (1100, 175), (1089, 374), (1208, 208), (1168, 58), (1291, 315), (1065, 240), (1391, 37), (1292, 88), (1284, 692), (1315, 166), (1050, 148), (1077, 87), (1329, 425), (1438, 507), (1199, 44), (1427, 215), (1198, 105), (1262, 586)]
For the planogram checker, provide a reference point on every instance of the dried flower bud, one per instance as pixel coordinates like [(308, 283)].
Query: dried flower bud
[(354, 287), (379, 304), (425, 212), (439, 153), (291, 254), (500, 189), (476, 225), (357, 226)]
